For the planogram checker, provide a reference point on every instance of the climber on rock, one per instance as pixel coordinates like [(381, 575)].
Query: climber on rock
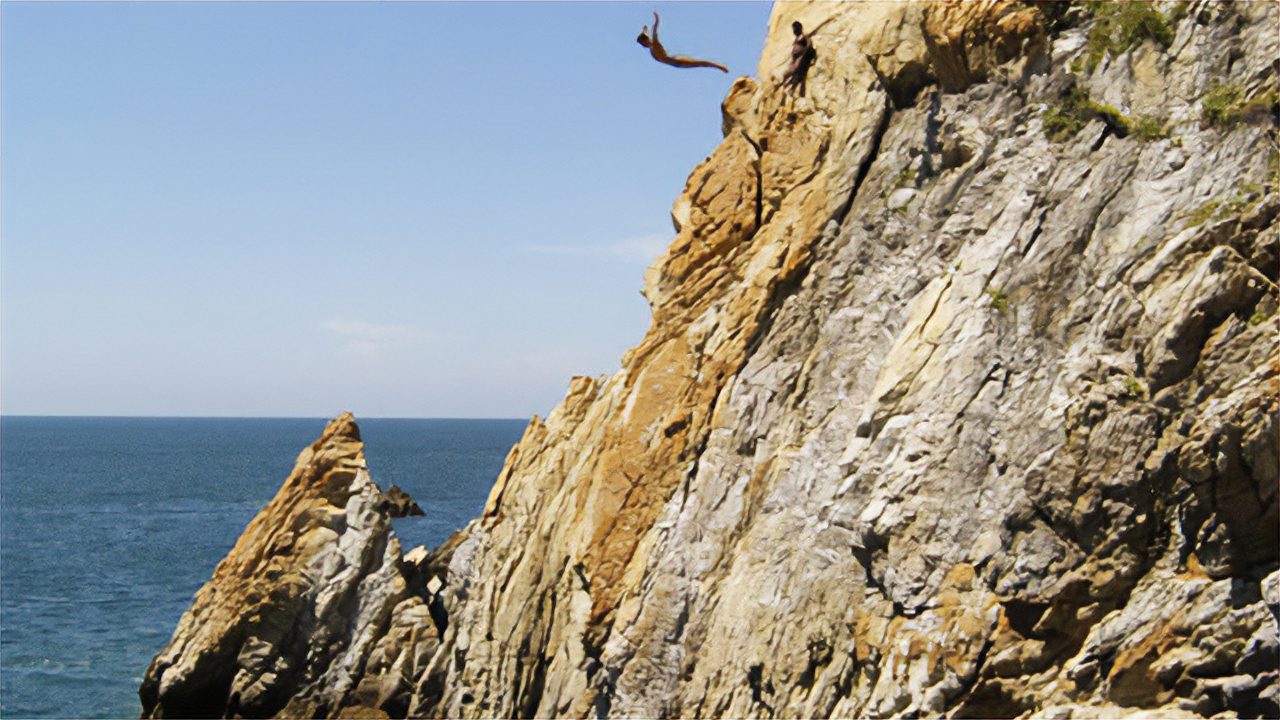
[(659, 53), (802, 57)]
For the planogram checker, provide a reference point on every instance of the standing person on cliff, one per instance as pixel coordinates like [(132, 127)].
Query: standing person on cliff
[(659, 53), (802, 57)]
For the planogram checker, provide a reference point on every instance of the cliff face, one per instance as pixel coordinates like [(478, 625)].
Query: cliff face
[(960, 398)]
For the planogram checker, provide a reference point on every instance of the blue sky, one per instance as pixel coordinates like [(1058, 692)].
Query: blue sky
[(291, 209)]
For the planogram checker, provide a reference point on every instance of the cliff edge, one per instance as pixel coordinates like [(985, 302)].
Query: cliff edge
[(960, 398)]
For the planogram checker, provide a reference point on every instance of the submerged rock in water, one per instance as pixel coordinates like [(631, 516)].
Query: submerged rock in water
[(400, 504)]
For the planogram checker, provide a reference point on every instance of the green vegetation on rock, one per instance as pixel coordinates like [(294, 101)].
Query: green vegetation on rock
[(1119, 26), (1204, 213), (1148, 128), (999, 300), (1247, 196), (1226, 105), (1061, 123), (1221, 103), (1133, 388), (1109, 115)]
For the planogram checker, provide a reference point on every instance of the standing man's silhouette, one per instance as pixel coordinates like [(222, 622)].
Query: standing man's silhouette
[(802, 57)]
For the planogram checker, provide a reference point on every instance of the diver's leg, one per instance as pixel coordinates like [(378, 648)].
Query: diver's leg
[(686, 62)]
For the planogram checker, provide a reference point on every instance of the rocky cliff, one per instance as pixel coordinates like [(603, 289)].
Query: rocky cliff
[(960, 398)]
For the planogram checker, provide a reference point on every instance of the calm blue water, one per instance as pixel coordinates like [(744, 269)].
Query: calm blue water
[(108, 526)]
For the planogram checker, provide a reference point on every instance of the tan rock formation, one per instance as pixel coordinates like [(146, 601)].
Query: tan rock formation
[(967, 40), (293, 612), (936, 415)]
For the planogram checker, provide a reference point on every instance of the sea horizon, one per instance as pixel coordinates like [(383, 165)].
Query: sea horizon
[(111, 523)]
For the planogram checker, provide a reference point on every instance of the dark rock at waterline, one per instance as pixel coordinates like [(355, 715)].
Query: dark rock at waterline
[(400, 504)]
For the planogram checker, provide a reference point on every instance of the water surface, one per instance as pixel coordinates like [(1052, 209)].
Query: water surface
[(108, 526)]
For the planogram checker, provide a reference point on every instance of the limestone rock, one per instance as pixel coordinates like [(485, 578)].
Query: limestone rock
[(900, 198), (968, 39), (876, 463), (937, 415), (287, 621)]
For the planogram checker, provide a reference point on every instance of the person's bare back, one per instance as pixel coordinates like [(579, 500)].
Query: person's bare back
[(659, 53)]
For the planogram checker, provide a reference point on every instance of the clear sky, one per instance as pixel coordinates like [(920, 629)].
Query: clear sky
[(292, 209)]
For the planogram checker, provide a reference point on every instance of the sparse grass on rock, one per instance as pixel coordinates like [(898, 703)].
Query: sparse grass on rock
[(1148, 128), (999, 300), (1226, 105), (1133, 389), (1062, 122), (1226, 206), (1119, 26)]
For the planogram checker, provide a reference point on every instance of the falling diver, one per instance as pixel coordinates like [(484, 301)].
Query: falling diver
[(659, 53)]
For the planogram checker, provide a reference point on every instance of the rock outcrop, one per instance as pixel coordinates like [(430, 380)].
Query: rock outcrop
[(399, 504), (297, 613), (960, 398)]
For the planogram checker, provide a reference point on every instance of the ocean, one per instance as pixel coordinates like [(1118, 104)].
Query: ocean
[(108, 526)]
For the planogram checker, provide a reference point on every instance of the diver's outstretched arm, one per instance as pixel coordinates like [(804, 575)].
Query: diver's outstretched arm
[(655, 26)]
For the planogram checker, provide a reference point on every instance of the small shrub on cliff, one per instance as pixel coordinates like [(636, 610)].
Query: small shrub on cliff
[(1226, 105), (1118, 26), (1148, 128), (1262, 106), (1220, 103), (1061, 123), (999, 300), (1133, 389), (1108, 114)]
